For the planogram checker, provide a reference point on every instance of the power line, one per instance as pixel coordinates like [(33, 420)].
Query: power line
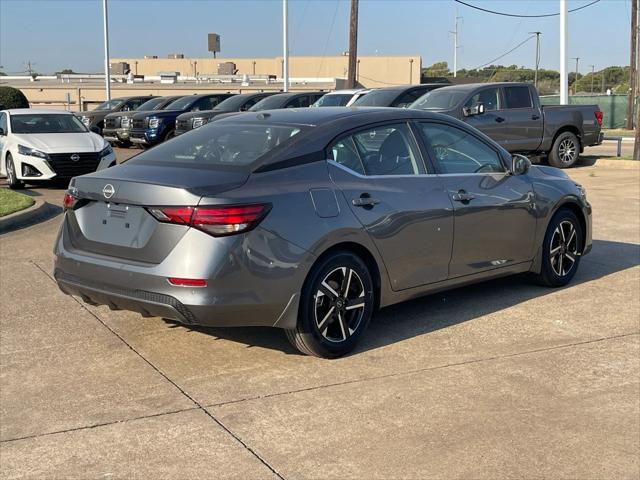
[(506, 53), (523, 16)]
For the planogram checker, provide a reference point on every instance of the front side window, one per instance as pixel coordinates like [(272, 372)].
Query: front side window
[(220, 145), (385, 150), (3, 122), (489, 97), (133, 104), (46, 123), (457, 151), (517, 97)]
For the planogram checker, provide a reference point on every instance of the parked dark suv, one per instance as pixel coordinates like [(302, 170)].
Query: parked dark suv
[(237, 103), (117, 126), (95, 118), (287, 100), (151, 128)]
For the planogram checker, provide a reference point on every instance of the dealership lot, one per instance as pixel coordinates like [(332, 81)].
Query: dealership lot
[(500, 379)]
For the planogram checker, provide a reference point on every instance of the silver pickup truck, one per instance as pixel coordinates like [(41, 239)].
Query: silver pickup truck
[(511, 114)]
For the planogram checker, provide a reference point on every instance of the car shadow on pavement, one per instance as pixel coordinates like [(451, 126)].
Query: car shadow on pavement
[(441, 310)]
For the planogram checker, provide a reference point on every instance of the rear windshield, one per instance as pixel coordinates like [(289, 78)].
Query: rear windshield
[(46, 123), (334, 100), (220, 145), (438, 100)]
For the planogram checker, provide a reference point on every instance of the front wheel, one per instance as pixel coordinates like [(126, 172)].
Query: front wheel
[(12, 178), (565, 151), (561, 250), (336, 306)]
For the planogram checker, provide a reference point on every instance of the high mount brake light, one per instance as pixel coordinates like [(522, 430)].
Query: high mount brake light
[(216, 220), (599, 117)]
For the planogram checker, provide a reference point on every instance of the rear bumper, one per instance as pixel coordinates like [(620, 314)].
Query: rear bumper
[(251, 281)]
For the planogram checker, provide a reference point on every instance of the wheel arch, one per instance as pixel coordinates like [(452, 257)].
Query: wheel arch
[(570, 129)]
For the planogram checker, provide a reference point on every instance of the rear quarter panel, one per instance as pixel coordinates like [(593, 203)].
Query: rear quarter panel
[(580, 117)]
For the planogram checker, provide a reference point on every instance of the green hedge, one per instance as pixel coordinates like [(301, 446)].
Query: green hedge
[(12, 98)]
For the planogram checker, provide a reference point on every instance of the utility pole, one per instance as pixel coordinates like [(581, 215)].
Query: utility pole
[(353, 45), (29, 67), (632, 64), (564, 79), (535, 78), (285, 45), (107, 76), (455, 32), (575, 79), (593, 76)]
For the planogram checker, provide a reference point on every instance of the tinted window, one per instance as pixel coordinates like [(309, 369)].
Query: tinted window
[(333, 100), (269, 103), (3, 122), (134, 103), (109, 105), (439, 100), (385, 150), (409, 97), (377, 98), (151, 104), (490, 97), (247, 105), (517, 97), (299, 102), (456, 151), (181, 103), (220, 144), (206, 103), (46, 123)]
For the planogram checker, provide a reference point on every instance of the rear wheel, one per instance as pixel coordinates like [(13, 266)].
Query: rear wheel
[(12, 178), (565, 151), (561, 250), (336, 306)]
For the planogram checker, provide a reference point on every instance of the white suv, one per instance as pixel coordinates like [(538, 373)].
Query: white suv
[(40, 145)]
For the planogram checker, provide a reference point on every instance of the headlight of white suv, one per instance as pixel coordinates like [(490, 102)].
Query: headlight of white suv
[(198, 122), (154, 122), (105, 151), (32, 152)]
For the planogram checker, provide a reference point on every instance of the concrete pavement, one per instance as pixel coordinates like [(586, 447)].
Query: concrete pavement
[(499, 380)]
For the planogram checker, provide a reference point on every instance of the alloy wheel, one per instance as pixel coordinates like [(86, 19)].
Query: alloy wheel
[(339, 304), (10, 172), (564, 248), (567, 151)]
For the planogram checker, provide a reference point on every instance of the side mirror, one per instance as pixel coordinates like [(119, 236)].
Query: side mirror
[(94, 129), (477, 109), (519, 164)]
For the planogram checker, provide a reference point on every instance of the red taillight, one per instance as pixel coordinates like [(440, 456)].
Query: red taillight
[(187, 282), (218, 221), (68, 201), (599, 117)]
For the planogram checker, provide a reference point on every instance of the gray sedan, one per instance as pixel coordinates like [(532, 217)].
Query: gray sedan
[(310, 220)]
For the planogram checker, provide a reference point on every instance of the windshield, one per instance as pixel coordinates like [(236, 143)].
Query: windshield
[(181, 103), (269, 103), (109, 105), (377, 98), (151, 104), (334, 100), (438, 100), (219, 144), (233, 104), (46, 123)]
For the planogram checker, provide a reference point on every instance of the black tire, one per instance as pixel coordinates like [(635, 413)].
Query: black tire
[(343, 321), (12, 179), (559, 247), (169, 135), (565, 151)]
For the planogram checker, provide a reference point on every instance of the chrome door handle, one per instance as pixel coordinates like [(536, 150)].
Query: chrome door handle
[(463, 196), (365, 201)]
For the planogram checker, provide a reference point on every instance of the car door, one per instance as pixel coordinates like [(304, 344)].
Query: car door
[(524, 119), (494, 211), (402, 206), (492, 122)]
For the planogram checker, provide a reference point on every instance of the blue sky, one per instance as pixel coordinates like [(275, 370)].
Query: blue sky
[(58, 34)]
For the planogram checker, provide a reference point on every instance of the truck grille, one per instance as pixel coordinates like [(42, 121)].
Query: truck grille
[(139, 123), (112, 122), (183, 125), (64, 166)]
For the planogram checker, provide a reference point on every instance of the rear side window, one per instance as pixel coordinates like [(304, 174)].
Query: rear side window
[(384, 150), (517, 97), (220, 144)]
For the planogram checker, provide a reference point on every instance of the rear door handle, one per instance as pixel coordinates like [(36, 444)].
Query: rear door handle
[(500, 119), (463, 196), (535, 117), (365, 201)]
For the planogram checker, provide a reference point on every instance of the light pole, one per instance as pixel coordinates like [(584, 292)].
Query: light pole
[(593, 75), (107, 76), (285, 45), (535, 78), (564, 79), (575, 80), (455, 44)]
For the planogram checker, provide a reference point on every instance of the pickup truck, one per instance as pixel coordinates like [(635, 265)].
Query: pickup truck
[(117, 125), (511, 114), (94, 119), (151, 128)]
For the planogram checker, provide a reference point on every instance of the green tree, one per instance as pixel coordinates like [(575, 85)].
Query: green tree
[(12, 98)]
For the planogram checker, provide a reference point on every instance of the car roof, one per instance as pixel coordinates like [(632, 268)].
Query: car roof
[(402, 88), (467, 87), (35, 111), (351, 91)]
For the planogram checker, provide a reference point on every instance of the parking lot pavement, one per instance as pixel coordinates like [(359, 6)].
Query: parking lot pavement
[(496, 380)]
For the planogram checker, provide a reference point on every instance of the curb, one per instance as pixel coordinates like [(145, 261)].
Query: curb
[(622, 164), (40, 210)]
